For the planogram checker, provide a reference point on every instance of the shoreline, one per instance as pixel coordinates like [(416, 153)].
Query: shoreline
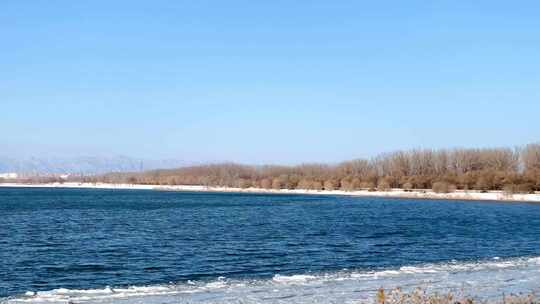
[(394, 193), (425, 276)]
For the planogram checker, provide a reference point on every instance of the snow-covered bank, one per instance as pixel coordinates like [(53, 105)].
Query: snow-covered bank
[(396, 193)]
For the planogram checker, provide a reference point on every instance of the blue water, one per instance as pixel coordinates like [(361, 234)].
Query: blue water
[(85, 238)]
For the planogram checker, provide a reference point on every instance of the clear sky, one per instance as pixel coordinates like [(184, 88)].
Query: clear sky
[(266, 81)]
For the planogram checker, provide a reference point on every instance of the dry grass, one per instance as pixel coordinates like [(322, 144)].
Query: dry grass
[(420, 296)]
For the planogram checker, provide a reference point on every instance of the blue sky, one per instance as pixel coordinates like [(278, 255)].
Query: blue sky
[(266, 81)]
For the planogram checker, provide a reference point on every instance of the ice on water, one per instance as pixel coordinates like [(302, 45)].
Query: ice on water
[(486, 279)]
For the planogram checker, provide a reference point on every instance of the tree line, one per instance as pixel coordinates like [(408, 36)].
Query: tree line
[(509, 169)]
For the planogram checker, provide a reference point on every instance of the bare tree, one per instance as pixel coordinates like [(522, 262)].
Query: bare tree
[(482, 169)]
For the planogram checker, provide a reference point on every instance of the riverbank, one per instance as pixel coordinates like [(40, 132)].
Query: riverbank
[(394, 193)]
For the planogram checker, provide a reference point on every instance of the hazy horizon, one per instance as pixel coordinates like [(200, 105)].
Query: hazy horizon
[(265, 83), (56, 161)]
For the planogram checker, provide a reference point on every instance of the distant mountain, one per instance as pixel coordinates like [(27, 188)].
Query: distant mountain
[(87, 165)]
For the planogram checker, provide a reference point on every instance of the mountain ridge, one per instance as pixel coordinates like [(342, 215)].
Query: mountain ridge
[(83, 165)]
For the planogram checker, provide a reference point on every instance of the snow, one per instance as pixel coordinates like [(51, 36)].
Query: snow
[(395, 193)]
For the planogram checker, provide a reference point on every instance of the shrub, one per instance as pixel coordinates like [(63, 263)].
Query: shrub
[(525, 188), (518, 188), (266, 183), (408, 186), (277, 184), (243, 183), (304, 184), (356, 183), (171, 181), (317, 185), (443, 187), (367, 185), (509, 189), (483, 184), (330, 184), (347, 184), (383, 185)]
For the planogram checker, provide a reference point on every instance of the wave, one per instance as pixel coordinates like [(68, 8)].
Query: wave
[(485, 279)]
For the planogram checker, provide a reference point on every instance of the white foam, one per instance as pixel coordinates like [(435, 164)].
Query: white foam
[(293, 278), (217, 284), (486, 279)]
